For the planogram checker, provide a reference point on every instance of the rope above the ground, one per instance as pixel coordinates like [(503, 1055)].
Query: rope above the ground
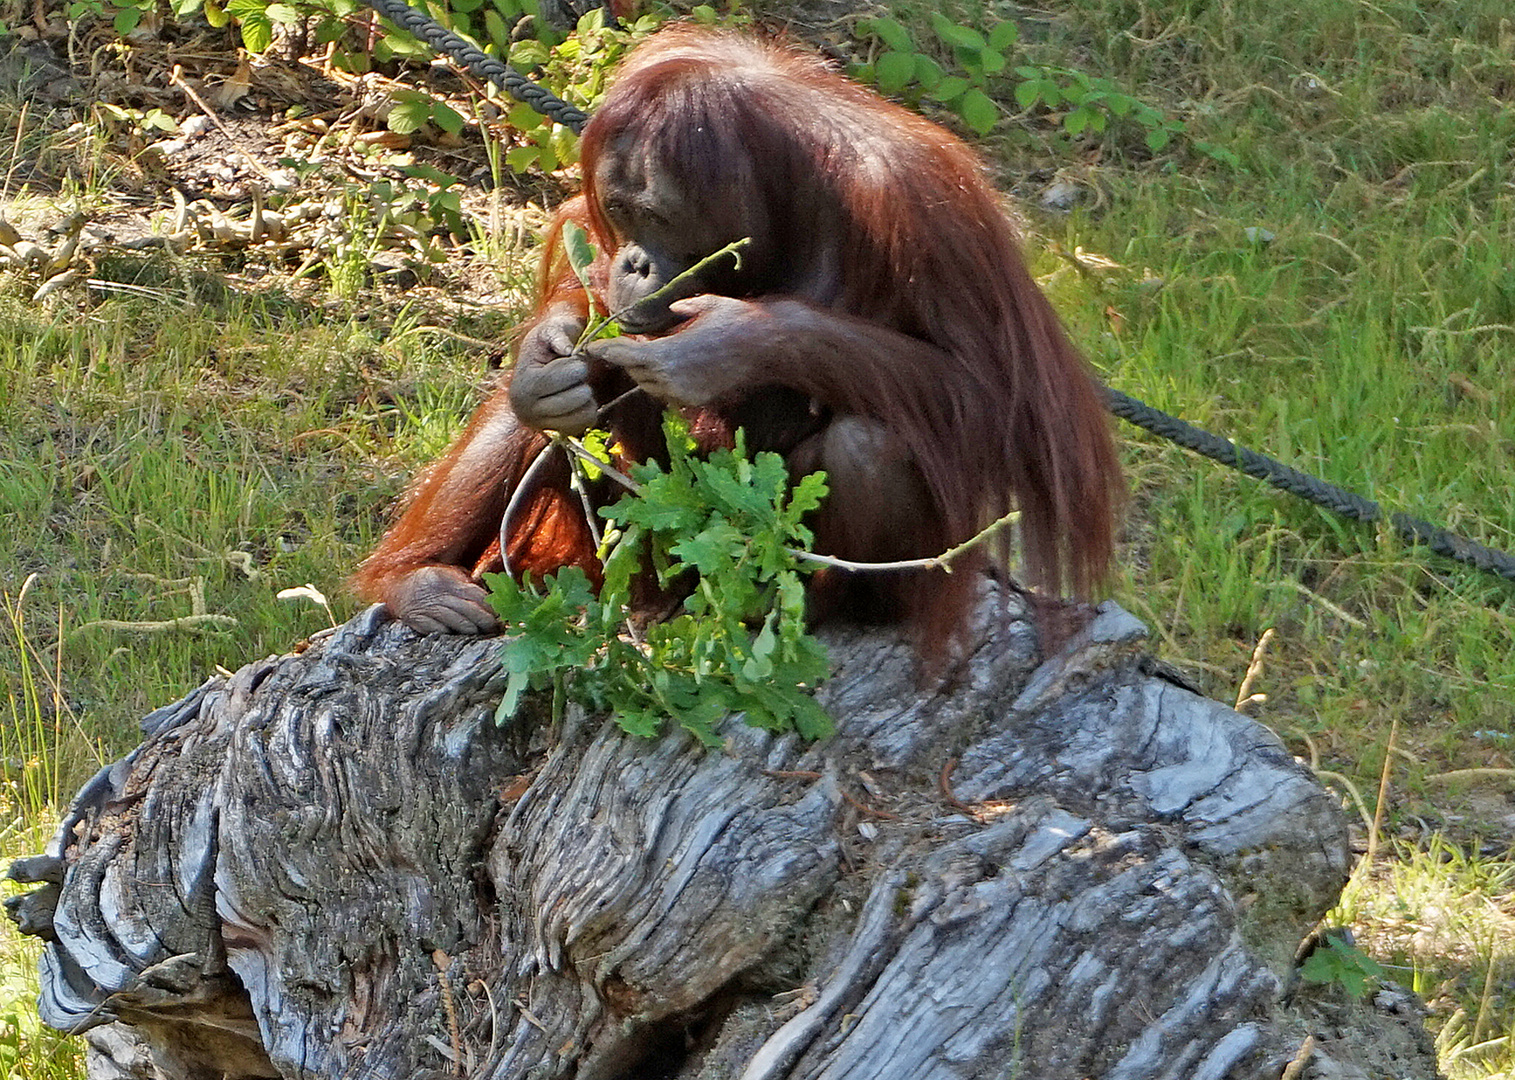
[(1338, 500), (444, 42)]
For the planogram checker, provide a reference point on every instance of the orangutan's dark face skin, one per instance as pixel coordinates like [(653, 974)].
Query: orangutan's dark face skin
[(664, 226)]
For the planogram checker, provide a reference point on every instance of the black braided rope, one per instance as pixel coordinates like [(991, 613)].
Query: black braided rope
[(1337, 500), (444, 42)]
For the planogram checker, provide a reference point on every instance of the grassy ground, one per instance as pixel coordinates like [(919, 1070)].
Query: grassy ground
[(1368, 342), (1342, 298)]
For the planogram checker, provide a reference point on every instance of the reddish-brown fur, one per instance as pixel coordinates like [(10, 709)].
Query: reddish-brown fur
[(881, 238)]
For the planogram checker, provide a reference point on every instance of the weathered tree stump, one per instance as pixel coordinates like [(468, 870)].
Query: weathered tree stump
[(334, 864)]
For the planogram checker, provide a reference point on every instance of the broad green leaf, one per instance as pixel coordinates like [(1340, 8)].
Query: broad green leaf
[(644, 722), (565, 144), (409, 113), (257, 32), (759, 665), (893, 34), (927, 72), (529, 54), (521, 158), (810, 720), (392, 45), (623, 562), (950, 89), (1319, 967), (516, 684), (547, 157), (447, 118), (807, 495), (596, 440), (971, 61), (712, 548), (1003, 36), (894, 71), (497, 29), (978, 111), (126, 20), (523, 117), (954, 35)]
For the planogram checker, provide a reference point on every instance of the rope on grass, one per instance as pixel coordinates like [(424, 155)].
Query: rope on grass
[(444, 42), (1339, 501)]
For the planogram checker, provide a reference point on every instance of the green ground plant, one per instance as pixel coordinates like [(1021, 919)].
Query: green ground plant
[(31, 733), (726, 528), (1338, 962), (1342, 296)]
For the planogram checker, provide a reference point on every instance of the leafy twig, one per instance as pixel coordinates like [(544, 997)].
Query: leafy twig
[(724, 519), (581, 255)]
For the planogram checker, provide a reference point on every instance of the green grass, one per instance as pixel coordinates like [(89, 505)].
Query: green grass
[(32, 738), (28, 1048), (195, 449), (1367, 343), (1439, 918), (165, 461)]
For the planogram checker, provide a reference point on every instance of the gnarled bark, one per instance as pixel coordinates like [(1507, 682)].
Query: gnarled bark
[(335, 864)]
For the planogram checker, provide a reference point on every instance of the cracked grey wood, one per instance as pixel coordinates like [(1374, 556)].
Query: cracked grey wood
[(266, 886)]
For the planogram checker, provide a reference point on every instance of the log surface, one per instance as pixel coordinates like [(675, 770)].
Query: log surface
[(335, 864)]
